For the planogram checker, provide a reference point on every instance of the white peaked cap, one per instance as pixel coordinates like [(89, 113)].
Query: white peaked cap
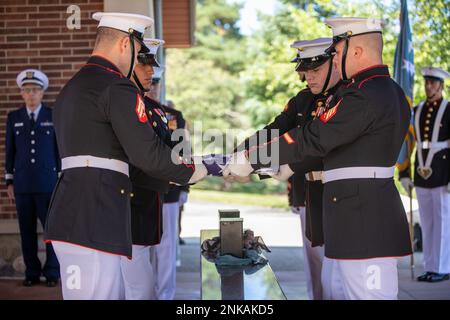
[(312, 48), (33, 76), (354, 26), (435, 73), (153, 44), (123, 21)]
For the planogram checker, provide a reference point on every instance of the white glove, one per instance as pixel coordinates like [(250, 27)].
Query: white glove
[(297, 210), (407, 184), (284, 173), (238, 165), (200, 170)]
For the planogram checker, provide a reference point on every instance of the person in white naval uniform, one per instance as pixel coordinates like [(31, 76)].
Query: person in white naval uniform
[(432, 175)]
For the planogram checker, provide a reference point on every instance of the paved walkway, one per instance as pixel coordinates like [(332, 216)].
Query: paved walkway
[(280, 230)]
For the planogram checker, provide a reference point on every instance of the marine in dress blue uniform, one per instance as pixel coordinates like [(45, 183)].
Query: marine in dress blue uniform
[(101, 127), (313, 59), (359, 139), (32, 166), (306, 188), (432, 175), (147, 191)]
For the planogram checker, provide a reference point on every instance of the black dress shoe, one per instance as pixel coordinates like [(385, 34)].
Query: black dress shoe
[(51, 283), (424, 276), (30, 282), (437, 277)]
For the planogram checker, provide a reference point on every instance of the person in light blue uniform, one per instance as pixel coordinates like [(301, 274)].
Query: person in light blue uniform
[(32, 165)]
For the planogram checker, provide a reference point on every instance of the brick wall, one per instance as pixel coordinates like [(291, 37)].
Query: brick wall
[(33, 34)]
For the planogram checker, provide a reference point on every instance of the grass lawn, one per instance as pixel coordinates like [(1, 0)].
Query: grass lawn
[(250, 199)]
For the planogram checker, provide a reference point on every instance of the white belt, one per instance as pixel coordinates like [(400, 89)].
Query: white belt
[(434, 145), (358, 173), (314, 176), (94, 162)]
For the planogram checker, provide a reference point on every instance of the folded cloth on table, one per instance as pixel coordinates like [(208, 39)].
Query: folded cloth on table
[(255, 243), (250, 257)]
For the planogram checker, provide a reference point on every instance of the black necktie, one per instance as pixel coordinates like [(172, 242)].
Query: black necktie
[(32, 119)]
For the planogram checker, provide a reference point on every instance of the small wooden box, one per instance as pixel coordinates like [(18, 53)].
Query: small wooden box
[(231, 236)]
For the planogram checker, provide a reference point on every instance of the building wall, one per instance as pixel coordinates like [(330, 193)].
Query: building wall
[(33, 34), (178, 23)]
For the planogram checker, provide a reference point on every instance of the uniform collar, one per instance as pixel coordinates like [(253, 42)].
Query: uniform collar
[(435, 103), (103, 62), (152, 100), (332, 90), (36, 111), (376, 70)]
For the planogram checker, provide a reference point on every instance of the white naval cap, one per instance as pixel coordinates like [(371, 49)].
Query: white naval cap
[(33, 76), (148, 56), (131, 23), (312, 48), (435, 73), (312, 53), (347, 27), (123, 21), (153, 44), (158, 72)]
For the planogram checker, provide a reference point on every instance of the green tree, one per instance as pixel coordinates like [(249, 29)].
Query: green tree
[(431, 30), (203, 80), (218, 37), (203, 91)]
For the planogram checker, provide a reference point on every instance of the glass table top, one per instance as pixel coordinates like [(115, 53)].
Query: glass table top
[(237, 282)]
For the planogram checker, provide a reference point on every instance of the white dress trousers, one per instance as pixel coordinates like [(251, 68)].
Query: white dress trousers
[(313, 257), (88, 274), (137, 275), (434, 210), (163, 256), (369, 279)]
